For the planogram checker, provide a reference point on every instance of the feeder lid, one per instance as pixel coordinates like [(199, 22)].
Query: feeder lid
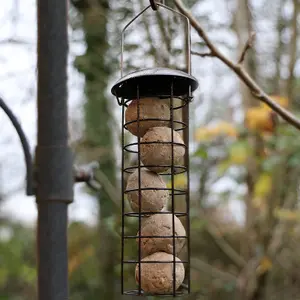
[(154, 82)]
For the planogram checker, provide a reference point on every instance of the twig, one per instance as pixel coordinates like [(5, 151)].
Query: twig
[(97, 182), (205, 54), (16, 42), (239, 70), (247, 46), (293, 51), (202, 266), (92, 186), (277, 238), (213, 231), (105, 183)]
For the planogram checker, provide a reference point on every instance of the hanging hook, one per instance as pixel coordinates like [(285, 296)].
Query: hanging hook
[(26, 148), (153, 5)]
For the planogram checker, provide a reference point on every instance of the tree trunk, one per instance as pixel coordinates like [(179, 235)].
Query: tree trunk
[(98, 132), (243, 27)]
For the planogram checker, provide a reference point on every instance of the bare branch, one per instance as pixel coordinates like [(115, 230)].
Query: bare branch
[(293, 51), (213, 231), (111, 190), (96, 182), (255, 89), (205, 54), (202, 266), (248, 46), (16, 42), (277, 240)]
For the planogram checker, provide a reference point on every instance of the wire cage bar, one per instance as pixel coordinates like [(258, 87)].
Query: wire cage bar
[(155, 212)]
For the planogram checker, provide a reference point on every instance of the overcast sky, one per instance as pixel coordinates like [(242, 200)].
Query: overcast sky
[(18, 88)]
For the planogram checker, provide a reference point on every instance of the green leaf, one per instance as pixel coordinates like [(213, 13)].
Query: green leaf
[(229, 287), (198, 224), (294, 160), (201, 152), (224, 166), (269, 164)]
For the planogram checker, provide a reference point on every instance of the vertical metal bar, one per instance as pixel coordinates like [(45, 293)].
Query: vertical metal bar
[(189, 46), (187, 165), (53, 155), (139, 187), (172, 184), (123, 200), (52, 251), (186, 139), (122, 53)]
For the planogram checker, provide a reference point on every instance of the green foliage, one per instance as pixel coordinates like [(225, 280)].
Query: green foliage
[(17, 262)]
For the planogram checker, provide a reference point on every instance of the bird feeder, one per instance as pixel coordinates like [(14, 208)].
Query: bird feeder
[(149, 99)]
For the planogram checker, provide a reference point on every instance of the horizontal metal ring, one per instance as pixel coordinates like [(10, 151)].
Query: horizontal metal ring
[(159, 120), (184, 101), (177, 169), (147, 213), (177, 192), (126, 147), (155, 261), (137, 293), (155, 236)]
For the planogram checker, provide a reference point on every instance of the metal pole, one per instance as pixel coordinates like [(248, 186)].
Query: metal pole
[(53, 156)]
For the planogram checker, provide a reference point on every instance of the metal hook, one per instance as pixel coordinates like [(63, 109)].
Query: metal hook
[(153, 5), (26, 148)]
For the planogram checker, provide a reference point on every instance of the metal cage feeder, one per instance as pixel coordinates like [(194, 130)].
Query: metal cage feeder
[(163, 91)]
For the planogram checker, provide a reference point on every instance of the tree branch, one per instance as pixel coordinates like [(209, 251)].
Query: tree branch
[(202, 266), (255, 89), (293, 51), (105, 183), (248, 46), (213, 231), (96, 182), (205, 54), (277, 238)]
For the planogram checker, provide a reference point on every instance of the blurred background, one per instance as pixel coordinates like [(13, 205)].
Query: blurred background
[(245, 162)]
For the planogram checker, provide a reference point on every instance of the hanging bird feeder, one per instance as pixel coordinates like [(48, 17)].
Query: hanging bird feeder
[(150, 99)]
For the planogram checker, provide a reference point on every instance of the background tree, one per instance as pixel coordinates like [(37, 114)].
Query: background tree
[(99, 136)]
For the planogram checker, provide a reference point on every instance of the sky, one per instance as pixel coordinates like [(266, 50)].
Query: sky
[(18, 89)]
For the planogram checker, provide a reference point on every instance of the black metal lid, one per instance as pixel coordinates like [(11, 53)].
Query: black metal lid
[(154, 82)]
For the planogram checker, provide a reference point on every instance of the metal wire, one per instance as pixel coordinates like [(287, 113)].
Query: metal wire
[(126, 147), (173, 196), (187, 199), (131, 261), (139, 187), (123, 202), (188, 33), (25, 146), (146, 214), (178, 169)]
